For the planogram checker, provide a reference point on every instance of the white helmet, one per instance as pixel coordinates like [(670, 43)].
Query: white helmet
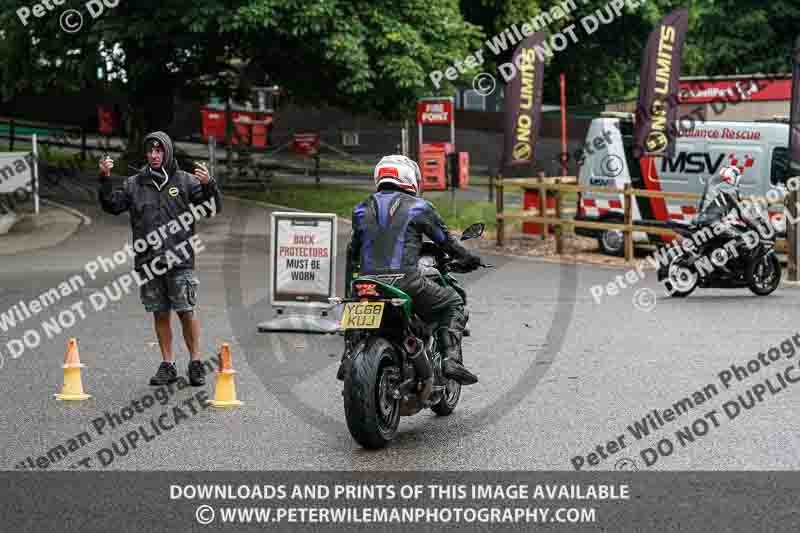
[(731, 175), (399, 171)]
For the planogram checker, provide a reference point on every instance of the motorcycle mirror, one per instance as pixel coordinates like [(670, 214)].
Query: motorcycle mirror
[(474, 231)]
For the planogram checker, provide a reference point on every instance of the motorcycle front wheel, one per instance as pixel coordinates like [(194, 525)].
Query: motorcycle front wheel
[(450, 395), (764, 275), (681, 280), (372, 414)]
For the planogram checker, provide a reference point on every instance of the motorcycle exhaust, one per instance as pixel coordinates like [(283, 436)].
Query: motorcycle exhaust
[(422, 365)]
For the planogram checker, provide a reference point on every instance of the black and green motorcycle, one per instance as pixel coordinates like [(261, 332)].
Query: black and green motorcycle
[(392, 366)]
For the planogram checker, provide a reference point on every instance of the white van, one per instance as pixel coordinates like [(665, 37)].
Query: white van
[(759, 149)]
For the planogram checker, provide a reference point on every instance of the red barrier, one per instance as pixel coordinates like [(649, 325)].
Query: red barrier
[(105, 120), (251, 126), (433, 165), (463, 170), (531, 203), (306, 143)]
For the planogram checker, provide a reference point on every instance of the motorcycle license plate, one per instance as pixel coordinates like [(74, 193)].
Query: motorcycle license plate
[(362, 315)]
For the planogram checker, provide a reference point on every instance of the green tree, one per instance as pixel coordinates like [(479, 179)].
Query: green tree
[(494, 16), (602, 66), (362, 55), (745, 36), (599, 67)]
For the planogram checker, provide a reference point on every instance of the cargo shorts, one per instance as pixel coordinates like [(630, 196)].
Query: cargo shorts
[(174, 291)]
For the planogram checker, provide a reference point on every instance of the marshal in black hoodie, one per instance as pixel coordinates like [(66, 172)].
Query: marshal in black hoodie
[(156, 199)]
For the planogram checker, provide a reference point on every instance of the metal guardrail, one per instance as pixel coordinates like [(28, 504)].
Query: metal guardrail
[(49, 134)]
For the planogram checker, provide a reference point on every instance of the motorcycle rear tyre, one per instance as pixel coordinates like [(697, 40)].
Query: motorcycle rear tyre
[(368, 423)]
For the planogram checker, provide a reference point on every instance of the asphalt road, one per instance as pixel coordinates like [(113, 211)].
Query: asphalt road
[(559, 373)]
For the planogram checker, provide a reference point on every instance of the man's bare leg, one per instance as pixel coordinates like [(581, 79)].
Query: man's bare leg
[(164, 334), (191, 333)]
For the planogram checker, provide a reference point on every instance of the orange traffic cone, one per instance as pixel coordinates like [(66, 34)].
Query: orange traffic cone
[(73, 388), (225, 388)]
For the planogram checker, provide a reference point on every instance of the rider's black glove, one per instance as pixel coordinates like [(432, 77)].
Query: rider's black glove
[(471, 262)]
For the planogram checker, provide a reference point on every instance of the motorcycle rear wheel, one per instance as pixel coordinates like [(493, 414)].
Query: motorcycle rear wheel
[(372, 414)]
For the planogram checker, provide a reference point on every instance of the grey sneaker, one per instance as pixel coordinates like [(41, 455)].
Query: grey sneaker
[(197, 374), (166, 374)]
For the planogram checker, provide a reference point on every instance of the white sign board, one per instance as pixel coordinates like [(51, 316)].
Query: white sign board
[(16, 172), (302, 259)]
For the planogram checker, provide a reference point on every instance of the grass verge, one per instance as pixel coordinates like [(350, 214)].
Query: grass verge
[(328, 162), (341, 200)]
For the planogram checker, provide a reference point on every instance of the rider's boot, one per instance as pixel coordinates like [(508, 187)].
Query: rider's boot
[(449, 340)]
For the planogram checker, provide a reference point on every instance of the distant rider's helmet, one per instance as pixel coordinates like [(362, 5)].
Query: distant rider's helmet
[(400, 171), (731, 175)]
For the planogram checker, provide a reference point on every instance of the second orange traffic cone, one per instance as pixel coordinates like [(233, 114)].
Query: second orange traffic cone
[(225, 388), (73, 387)]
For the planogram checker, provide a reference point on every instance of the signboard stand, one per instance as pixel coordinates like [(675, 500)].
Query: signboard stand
[(303, 273), (300, 323)]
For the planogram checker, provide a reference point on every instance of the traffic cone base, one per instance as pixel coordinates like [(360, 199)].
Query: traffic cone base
[(73, 387), (63, 397), (225, 390), (221, 405)]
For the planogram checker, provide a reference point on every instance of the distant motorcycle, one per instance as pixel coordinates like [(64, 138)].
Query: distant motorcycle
[(392, 364), (756, 267)]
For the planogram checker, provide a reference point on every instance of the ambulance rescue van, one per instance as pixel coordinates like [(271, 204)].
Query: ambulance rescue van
[(759, 149)]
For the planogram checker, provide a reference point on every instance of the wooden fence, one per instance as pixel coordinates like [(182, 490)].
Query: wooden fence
[(568, 184)]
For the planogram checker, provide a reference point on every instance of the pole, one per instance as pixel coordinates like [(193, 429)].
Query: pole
[(628, 220), (419, 142), (543, 205), (491, 184), (559, 229), (793, 273), (11, 132), (499, 208), (453, 124), (404, 138), (228, 137), (35, 170), (83, 143), (455, 157), (789, 209), (454, 172), (563, 125), (419, 158), (796, 240), (793, 251), (212, 156)]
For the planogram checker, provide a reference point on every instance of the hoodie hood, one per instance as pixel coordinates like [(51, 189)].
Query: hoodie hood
[(169, 164)]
